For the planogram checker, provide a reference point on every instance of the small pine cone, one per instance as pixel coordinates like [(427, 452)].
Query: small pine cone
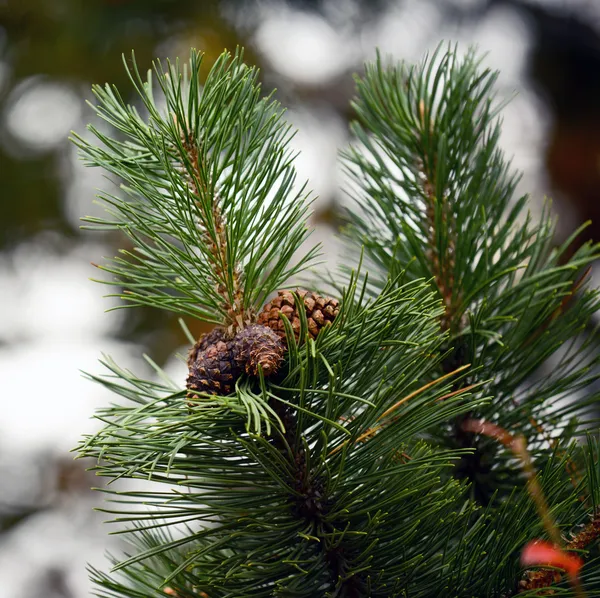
[(540, 579), (216, 363), (214, 370), (205, 341), (320, 312), (258, 345)]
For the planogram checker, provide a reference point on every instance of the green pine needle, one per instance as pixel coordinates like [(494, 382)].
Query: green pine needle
[(209, 196)]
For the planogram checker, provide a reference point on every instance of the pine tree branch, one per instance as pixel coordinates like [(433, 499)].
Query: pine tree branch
[(338, 476), (434, 191), (233, 302), (210, 204), (309, 505)]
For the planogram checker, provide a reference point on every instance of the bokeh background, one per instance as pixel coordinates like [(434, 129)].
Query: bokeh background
[(52, 320)]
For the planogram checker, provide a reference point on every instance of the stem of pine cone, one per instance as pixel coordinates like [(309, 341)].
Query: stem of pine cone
[(233, 302)]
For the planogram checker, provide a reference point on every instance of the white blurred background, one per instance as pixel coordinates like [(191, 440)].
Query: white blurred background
[(52, 320)]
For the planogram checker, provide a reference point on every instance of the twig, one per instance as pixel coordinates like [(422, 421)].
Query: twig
[(442, 266), (233, 304)]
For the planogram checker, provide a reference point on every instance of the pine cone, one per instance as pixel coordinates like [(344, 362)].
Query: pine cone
[(214, 370), (205, 341), (215, 363), (258, 345), (539, 579), (320, 312)]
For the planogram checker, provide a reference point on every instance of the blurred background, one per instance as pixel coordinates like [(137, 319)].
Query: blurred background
[(52, 320)]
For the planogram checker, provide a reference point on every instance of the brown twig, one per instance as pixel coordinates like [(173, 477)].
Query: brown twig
[(442, 266), (233, 302)]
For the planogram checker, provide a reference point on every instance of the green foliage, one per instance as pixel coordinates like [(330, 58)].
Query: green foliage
[(309, 498), (434, 194), (212, 209), (349, 474)]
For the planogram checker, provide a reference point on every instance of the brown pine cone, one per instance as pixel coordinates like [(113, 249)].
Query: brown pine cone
[(539, 579), (214, 367), (258, 345), (320, 312), (205, 341), (214, 370)]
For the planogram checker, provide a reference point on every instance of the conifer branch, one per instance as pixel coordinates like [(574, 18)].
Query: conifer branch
[(434, 191), (215, 236), (339, 476), (211, 205)]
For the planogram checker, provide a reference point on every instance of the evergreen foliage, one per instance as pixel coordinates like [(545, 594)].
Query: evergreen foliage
[(353, 472), (211, 208), (437, 197)]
